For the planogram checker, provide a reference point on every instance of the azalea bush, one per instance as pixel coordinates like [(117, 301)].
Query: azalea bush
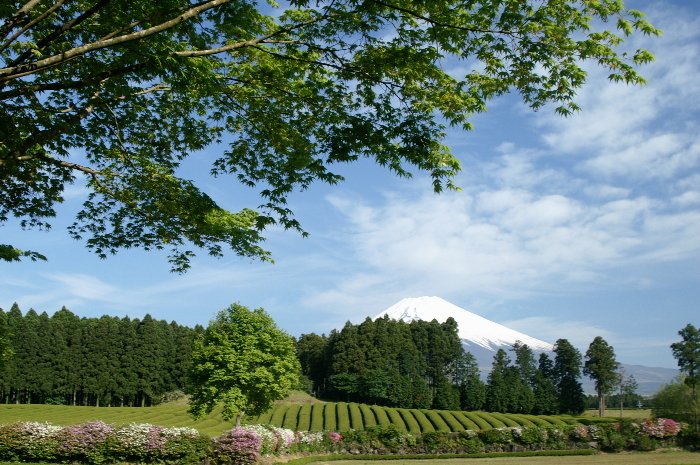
[(97, 442), (239, 446), (661, 428)]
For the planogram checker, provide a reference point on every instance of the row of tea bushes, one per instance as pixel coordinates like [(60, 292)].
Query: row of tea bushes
[(342, 416)]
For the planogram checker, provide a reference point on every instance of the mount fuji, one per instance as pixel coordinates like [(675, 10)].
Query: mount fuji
[(479, 336), (483, 338)]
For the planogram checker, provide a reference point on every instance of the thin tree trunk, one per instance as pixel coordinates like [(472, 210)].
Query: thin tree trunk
[(238, 418)]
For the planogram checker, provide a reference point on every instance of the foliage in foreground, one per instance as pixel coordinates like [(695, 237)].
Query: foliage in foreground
[(293, 88), (98, 442)]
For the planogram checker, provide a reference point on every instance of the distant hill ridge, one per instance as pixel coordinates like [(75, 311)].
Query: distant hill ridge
[(483, 337)]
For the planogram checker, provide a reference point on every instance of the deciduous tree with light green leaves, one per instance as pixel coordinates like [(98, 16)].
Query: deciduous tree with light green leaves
[(687, 353), (121, 92), (242, 361)]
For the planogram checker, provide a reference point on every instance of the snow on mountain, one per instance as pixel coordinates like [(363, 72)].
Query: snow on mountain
[(475, 331)]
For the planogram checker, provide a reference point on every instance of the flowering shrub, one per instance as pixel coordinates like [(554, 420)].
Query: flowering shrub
[(31, 439), (661, 428), (143, 441), (84, 442), (580, 433), (97, 442), (496, 436), (239, 446), (286, 438), (275, 441), (311, 441), (529, 435)]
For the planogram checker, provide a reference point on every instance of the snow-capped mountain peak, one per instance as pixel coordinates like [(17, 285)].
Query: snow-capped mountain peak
[(473, 329)]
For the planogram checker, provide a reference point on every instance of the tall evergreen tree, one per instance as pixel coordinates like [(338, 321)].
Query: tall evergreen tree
[(545, 390), (312, 352), (601, 367), (64, 327), (6, 355), (472, 389), (43, 370), (523, 379), (128, 384), (6, 351), (567, 371), (498, 393)]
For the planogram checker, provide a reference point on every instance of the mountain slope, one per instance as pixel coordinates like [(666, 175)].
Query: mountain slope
[(475, 331)]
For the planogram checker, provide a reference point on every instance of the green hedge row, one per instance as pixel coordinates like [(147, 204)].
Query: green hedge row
[(542, 453), (342, 416)]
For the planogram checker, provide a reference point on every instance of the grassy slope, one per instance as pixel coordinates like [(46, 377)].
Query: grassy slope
[(168, 414)]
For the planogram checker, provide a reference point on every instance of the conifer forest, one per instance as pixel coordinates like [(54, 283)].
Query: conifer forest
[(112, 361), (106, 361)]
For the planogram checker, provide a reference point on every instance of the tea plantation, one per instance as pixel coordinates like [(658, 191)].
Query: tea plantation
[(342, 416), (297, 416)]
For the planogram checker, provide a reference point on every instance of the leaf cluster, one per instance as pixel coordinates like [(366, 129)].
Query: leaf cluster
[(122, 91)]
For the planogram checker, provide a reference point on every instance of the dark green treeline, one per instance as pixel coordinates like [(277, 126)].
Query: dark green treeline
[(423, 365), (387, 362), (107, 361)]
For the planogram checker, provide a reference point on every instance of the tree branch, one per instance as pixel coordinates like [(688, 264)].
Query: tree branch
[(41, 137), (12, 72), (148, 18), (437, 23), (58, 32), (31, 24), (17, 18), (247, 43), (65, 164), (71, 85)]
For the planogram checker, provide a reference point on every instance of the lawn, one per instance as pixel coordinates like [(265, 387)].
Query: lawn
[(641, 458), (163, 415)]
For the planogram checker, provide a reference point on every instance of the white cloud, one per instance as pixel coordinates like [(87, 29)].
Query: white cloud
[(639, 132), (508, 242)]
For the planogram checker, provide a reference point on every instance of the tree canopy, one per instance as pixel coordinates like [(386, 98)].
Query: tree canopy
[(122, 91), (687, 353), (243, 361)]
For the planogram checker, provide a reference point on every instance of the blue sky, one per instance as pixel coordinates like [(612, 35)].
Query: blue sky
[(565, 227)]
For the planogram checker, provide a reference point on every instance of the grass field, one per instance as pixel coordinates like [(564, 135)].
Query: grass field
[(163, 415), (668, 458)]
